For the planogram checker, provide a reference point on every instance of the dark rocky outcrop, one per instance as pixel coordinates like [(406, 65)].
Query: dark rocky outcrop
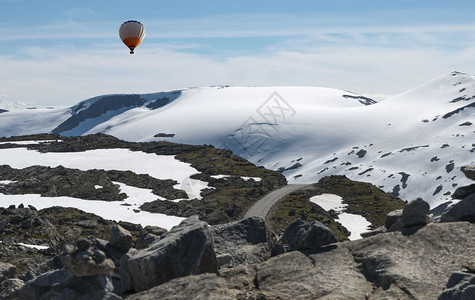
[(187, 249)]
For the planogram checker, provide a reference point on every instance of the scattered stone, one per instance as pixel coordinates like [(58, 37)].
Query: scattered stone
[(415, 213), (301, 235), (187, 249)]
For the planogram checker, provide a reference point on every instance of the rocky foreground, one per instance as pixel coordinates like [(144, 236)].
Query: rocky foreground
[(411, 257)]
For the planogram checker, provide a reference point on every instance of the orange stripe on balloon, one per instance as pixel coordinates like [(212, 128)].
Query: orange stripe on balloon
[(132, 41)]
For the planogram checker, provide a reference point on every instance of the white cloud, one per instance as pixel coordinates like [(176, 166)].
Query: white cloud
[(65, 76)]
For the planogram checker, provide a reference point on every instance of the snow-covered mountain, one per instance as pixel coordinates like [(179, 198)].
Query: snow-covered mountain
[(411, 145)]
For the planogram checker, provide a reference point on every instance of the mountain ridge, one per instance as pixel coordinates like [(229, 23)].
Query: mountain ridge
[(411, 145)]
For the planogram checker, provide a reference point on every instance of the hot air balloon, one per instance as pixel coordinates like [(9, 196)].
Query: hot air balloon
[(131, 33)]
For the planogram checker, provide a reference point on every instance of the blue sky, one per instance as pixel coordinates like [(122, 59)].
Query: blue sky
[(61, 52)]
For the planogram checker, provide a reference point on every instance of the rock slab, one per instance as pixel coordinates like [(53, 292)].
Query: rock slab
[(187, 249)]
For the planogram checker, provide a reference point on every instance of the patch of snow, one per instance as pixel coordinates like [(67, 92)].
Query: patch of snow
[(356, 224), (157, 166), (98, 187), (5, 182), (329, 202), (257, 179), (110, 210), (31, 142), (38, 247)]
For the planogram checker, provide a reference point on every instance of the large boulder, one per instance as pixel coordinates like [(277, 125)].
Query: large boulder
[(248, 241), (301, 235), (415, 213), (461, 211), (187, 249)]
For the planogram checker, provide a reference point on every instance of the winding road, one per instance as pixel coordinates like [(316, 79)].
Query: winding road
[(262, 207)]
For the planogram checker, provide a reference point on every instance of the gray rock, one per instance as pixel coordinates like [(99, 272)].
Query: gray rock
[(187, 249), (146, 240), (392, 218), (9, 288), (155, 230), (35, 288), (295, 276), (415, 213), (130, 226), (90, 224), (203, 286), (460, 286), (385, 266), (247, 241), (125, 283), (301, 235), (464, 191), (6, 271), (86, 260), (379, 230), (469, 171), (461, 211), (224, 259), (120, 238), (402, 266)]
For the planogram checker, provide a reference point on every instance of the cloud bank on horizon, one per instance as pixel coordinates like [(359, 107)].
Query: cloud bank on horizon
[(59, 53)]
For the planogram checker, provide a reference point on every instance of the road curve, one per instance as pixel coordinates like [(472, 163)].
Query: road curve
[(262, 207)]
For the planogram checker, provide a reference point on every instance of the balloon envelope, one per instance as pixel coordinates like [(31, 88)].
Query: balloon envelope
[(132, 33)]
